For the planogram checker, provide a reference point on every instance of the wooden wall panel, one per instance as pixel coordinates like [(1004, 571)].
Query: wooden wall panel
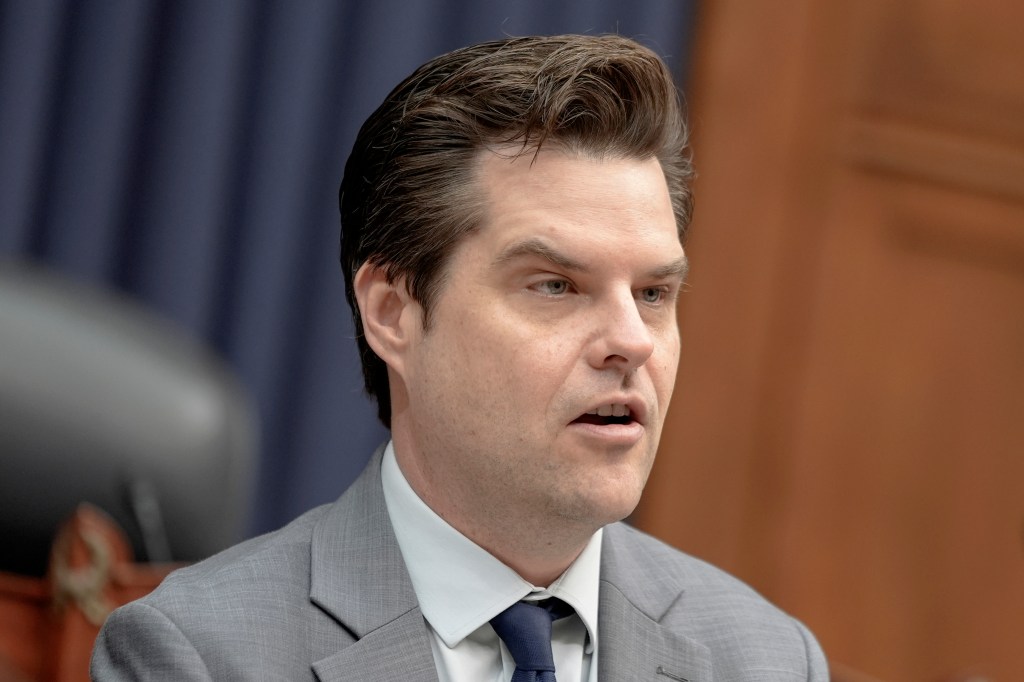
[(848, 428)]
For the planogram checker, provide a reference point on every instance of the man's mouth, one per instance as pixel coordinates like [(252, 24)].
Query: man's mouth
[(615, 413)]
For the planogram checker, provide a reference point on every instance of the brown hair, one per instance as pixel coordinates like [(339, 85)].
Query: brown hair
[(409, 192)]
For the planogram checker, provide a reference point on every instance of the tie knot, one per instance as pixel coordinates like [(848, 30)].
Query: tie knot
[(526, 630)]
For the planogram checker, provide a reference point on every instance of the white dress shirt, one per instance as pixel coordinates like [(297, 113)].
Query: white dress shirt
[(460, 587)]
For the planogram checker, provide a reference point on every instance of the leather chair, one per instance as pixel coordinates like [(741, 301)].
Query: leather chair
[(101, 401)]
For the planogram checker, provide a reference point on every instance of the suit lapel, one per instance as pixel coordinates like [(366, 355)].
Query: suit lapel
[(358, 577), (399, 650), (634, 599)]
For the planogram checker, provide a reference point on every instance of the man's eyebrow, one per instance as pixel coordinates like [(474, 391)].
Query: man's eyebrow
[(541, 249), (677, 268)]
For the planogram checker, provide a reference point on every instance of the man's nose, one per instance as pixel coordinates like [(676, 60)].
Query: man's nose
[(623, 339)]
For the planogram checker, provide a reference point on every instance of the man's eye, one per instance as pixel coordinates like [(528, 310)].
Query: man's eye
[(554, 287), (652, 295)]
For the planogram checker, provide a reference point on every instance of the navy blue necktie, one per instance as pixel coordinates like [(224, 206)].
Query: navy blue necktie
[(526, 630)]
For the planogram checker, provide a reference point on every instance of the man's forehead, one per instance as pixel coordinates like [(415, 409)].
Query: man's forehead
[(575, 177)]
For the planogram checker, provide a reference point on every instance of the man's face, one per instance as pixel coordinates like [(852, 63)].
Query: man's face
[(538, 391)]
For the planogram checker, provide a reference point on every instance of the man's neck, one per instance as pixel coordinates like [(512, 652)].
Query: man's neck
[(535, 547), (538, 556)]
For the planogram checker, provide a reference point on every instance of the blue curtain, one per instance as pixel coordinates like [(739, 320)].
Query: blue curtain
[(188, 152)]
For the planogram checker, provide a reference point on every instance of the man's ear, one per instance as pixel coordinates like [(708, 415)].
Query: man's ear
[(389, 314)]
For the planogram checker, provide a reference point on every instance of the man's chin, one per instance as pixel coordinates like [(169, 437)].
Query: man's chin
[(597, 510)]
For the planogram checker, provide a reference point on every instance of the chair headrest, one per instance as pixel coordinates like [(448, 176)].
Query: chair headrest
[(103, 401)]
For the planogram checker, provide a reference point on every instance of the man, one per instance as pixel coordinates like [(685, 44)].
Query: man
[(512, 222)]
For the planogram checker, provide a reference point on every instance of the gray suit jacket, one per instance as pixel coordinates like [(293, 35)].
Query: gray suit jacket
[(328, 598)]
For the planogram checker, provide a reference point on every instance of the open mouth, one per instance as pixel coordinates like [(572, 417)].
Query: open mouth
[(607, 414)]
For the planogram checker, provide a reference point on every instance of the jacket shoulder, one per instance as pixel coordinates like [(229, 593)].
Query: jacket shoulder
[(246, 608), (281, 556), (745, 634)]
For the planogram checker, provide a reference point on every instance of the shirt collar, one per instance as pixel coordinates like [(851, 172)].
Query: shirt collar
[(461, 586)]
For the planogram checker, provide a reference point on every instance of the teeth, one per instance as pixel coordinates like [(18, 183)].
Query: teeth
[(613, 410)]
